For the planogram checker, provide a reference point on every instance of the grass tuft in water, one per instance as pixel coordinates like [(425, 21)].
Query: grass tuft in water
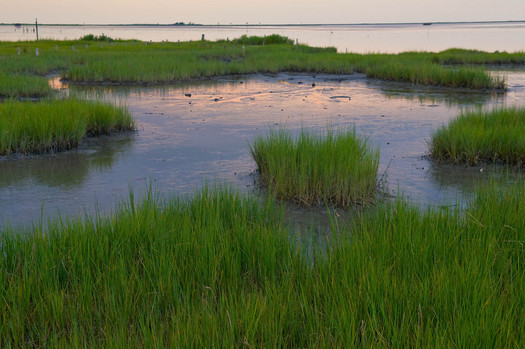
[(335, 168), (476, 137)]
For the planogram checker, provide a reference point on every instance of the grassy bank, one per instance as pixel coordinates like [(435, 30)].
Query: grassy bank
[(24, 86), (56, 125), (335, 168), (219, 269), (134, 62), (435, 75), (476, 137), (461, 56)]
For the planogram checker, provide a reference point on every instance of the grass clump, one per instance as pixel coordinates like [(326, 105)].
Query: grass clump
[(335, 168), (475, 137), (48, 126), (91, 37), (273, 39), (219, 269)]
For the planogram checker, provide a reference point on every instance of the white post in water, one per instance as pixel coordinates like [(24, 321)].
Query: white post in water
[(18, 51), (36, 51), (36, 26)]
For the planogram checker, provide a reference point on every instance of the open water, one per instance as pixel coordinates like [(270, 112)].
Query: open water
[(384, 38)]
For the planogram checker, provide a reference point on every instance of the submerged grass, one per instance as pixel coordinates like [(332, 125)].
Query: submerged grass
[(102, 60), (335, 168), (219, 269), (55, 125), (475, 137)]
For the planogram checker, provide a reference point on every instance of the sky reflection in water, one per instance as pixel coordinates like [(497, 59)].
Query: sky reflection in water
[(183, 141)]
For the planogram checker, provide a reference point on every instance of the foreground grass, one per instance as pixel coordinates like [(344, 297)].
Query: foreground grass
[(134, 62), (476, 137), (219, 269), (336, 168), (56, 125)]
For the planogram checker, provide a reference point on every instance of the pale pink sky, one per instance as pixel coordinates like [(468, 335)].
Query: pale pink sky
[(257, 11)]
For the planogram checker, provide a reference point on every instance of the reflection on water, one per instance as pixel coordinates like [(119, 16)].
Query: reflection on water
[(64, 183), (198, 132), (56, 83), (66, 170), (432, 96), (463, 177)]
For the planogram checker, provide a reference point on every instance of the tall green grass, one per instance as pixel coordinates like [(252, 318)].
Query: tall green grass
[(433, 278), (475, 137), (184, 273), (335, 168), (55, 125), (219, 269)]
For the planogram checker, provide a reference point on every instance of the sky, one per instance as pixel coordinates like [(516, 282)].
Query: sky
[(257, 11)]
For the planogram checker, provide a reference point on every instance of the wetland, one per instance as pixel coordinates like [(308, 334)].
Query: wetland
[(166, 235)]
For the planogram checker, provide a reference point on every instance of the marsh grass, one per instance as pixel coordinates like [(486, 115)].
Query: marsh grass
[(54, 125), (437, 75), (135, 62), (431, 278), (23, 86), (455, 56), (476, 136), (219, 269), (335, 168), (152, 275)]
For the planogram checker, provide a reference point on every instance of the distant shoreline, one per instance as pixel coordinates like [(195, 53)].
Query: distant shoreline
[(176, 25)]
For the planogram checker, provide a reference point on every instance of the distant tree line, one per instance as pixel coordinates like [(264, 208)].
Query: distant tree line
[(182, 23)]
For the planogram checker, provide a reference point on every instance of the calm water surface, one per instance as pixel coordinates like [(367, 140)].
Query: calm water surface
[(505, 36), (182, 141)]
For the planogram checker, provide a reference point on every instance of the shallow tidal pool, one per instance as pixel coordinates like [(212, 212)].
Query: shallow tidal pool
[(192, 133)]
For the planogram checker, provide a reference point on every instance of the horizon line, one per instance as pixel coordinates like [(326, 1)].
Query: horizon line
[(190, 24)]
